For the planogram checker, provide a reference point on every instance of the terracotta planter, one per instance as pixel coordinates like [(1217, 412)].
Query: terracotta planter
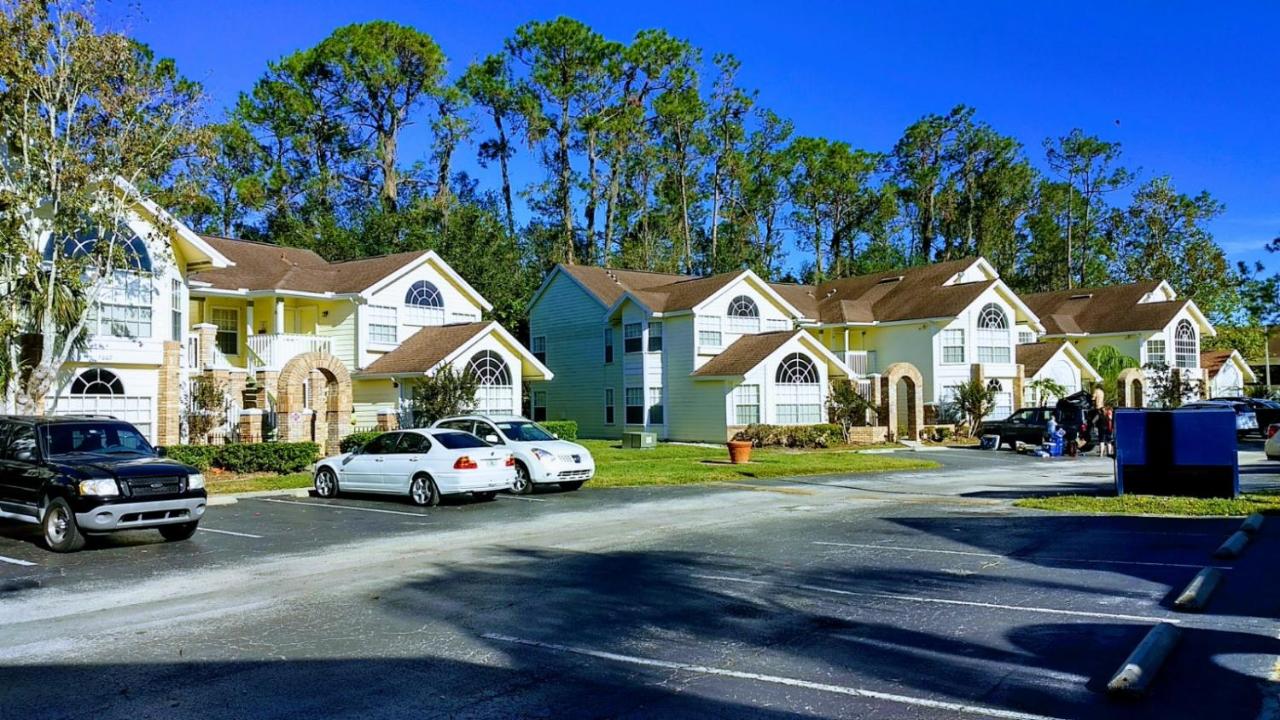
[(739, 452)]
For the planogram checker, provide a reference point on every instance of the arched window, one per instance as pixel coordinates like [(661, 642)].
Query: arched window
[(96, 381), (797, 384), (424, 303), (132, 249), (994, 344), (744, 315), (98, 391), (1185, 354), (495, 395), (1001, 402)]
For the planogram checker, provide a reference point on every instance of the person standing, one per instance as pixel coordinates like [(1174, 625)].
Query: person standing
[(1106, 432)]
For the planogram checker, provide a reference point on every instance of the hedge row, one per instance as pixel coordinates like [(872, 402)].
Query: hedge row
[(793, 436), (245, 458), (357, 439), (566, 429)]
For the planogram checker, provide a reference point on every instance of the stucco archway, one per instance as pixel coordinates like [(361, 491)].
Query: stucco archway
[(913, 407), (1130, 387), (330, 400)]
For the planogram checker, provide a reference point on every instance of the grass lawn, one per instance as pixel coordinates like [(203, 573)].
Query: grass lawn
[(223, 483), (683, 464), (1154, 505)]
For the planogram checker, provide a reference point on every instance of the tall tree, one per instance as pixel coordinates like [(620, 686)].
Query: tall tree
[(1089, 166), (493, 88), (567, 64), (87, 118), (378, 73), (920, 165)]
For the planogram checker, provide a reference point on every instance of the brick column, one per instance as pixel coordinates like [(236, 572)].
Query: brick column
[(208, 337), (251, 426), (169, 396), (1019, 378)]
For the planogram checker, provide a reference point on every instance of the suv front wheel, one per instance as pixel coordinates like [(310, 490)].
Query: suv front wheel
[(61, 533)]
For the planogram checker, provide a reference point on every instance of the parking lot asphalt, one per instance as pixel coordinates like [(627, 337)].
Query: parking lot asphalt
[(919, 594)]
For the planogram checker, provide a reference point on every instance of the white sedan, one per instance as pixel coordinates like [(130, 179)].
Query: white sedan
[(541, 457), (422, 464), (1272, 448)]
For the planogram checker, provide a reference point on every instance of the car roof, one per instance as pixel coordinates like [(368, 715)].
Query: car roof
[(61, 419), (489, 418)]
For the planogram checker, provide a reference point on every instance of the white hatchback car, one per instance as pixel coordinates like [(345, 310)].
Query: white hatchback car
[(541, 457), (422, 464)]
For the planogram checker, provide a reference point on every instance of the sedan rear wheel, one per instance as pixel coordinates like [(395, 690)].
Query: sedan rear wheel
[(423, 492), (326, 483), (523, 484)]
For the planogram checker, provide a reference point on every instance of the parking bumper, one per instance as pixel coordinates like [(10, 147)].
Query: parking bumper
[(126, 516)]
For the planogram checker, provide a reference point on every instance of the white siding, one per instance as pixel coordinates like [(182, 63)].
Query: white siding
[(458, 308)]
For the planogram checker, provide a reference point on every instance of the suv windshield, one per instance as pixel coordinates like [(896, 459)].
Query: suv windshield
[(524, 431), (92, 437)]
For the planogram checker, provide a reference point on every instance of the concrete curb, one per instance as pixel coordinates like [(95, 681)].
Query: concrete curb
[(1196, 595), (233, 498), (1233, 546), (1139, 670), (1252, 524)]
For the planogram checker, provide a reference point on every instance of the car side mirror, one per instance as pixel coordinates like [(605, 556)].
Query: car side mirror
[(492, 439), (555, 435)]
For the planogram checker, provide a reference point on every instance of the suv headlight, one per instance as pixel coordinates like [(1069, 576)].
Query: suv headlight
[(103, 487), (543, 455), (195, 481)]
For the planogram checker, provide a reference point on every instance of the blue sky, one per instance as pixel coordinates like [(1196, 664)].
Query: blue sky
[(1191, 90)]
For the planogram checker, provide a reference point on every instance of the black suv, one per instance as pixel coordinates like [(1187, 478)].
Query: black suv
[(78, 475), (1029, 426)]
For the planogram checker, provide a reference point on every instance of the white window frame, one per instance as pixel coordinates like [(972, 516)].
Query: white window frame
[(655, 402), (632, 397), (235, 328), (655, 333), (798, 403), (176, 310), (710, 335), (993, 335), (538, 346), (632, 331), (1153, 357), (610, 412), (746, 398), (952, 339), (379, 328), (609, 349), (1186, 350)]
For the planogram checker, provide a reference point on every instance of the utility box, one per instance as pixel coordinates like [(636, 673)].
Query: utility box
[(640, 440), (1189, 453)]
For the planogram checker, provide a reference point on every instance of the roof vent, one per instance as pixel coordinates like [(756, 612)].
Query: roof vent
[(1082, 296), (883, 281)]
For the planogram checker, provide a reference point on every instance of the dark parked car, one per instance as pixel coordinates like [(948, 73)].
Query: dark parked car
[(83, 475), (1267, 411), (1028, 425)]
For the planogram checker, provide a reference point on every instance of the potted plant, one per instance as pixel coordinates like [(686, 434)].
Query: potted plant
[(739, 449)]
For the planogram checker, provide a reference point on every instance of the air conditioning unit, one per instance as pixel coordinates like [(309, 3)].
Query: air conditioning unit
[(640, 440)]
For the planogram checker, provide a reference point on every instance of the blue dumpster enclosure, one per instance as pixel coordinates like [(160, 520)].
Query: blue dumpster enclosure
[(1189, 453)]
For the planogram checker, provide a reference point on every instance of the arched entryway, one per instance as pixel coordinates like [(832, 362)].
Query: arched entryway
[(1130, 385), (319, 383), (902, 400)]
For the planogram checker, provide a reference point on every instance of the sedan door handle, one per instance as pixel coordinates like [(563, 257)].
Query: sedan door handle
[(377, 459)]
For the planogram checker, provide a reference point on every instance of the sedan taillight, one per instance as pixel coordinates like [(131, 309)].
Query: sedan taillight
[(1272, 429), (465, 463), (511, 461)]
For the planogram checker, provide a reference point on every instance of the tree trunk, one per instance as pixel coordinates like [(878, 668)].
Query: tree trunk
[(592, 193), (566, 178), (390, 188)]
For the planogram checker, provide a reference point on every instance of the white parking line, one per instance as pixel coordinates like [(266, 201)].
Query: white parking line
[(1042, 558), (947, 601), (15, 561), (341, 507), (228, 532), (775, 679), (520, 497)]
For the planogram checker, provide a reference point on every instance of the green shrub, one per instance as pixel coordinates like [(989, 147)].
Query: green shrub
[(566, 429), (357, 439), (793, 436), (197, 456), (279, 458)]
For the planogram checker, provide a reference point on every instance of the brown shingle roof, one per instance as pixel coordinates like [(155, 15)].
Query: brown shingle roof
[(909, 294), (1033, 356), (425, 349), (745, 353), (1102, 310), (1213, 360), (261, 266)]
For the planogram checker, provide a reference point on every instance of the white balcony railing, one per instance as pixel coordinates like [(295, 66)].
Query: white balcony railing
[(860, 362), (271, 352)]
